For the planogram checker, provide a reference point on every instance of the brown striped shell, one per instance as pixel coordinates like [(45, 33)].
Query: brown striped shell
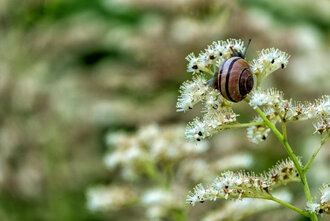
[(235, 79)]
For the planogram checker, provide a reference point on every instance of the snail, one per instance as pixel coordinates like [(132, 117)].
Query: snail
[(234, 79)]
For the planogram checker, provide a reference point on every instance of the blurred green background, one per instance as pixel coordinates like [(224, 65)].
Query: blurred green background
[(73, 70)]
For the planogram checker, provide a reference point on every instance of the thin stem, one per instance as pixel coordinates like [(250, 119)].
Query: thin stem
[(206, 70), (214, 69), (152, 171), (246, 124), (179, 215), (300, 170), (323, 141), (292, 156), (168, 174), (280, 137), (285, 137), (290, 206)]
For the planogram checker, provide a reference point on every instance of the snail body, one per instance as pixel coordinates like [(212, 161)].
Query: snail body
[(234, 79)]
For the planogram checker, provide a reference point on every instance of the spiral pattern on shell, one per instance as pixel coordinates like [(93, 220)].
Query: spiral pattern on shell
[(235, 79)]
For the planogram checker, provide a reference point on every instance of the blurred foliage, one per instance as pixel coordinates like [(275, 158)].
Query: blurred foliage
[(70, 71)]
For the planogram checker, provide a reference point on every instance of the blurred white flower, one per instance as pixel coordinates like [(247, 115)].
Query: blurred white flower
[(233, 161), (134, 153), (156, 196), (103, 198), (157, 202)]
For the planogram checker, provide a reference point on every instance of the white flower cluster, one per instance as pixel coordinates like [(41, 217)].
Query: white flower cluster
[(103, 198), (218, 113), (270, 97), (309, 110), (245, 207), (280, 108), (192, 92), (149, 159), (324, 205), (214, 55), (325, 193), (213, 121), (283, 172), (135, 153), (245, 185), (323, 126), (287, 109), (259, 133), (268, 61)]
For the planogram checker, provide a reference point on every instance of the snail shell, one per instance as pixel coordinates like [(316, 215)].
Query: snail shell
[(235, 79)]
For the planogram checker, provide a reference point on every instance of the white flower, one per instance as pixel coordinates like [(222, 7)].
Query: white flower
[(223, 48), (193, 63), (197, 64), (324, 205), (134, 153), (320, 108), (323, 106), (234, 161), (237, 45), (197, 130), (118, 138), (111, 160), (325, 193), (268, 61), (192, 198), (199, 195), (323, 126), (217, 118), (148, 133), (283, 172), (104, 198), (245, 185), (156, 196), (313, 207), (257, 134), (191, 92), (213, 121), (230, 185), (270, 97)]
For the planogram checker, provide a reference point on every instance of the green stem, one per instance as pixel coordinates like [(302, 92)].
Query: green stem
[(323, 141), (290, 206), (179, 215), (246, 124), (168, 174), (153, 173), (208, 71), (292, 156), (285, 137), (300, 170)]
